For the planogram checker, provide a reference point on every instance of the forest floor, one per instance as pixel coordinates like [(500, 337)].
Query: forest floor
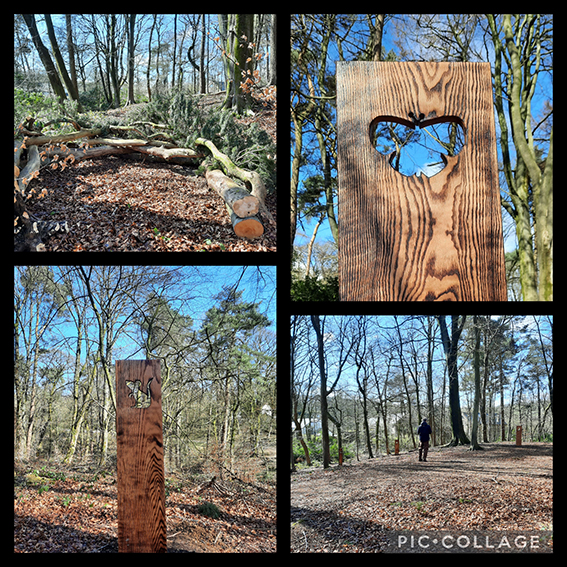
[(366, 506), (119, 204), (58, 510)]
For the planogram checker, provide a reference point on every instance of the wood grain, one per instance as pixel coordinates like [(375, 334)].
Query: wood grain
[(417, 238), (139, 439)]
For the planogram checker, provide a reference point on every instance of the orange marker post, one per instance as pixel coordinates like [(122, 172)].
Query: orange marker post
[(518, 435)]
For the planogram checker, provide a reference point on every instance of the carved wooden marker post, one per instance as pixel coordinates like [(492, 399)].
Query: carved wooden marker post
[(139, 439), (418, 238)]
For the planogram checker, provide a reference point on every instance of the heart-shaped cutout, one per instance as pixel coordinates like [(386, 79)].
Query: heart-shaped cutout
[(418, 151)]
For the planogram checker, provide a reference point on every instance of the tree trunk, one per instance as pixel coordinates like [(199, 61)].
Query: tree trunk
[(117, 146), (237, 198), (60, 63), (450, 345), (150, 58), (45, 58), (90, 153), (376, 37), (299, 433), (202, 72), (474, 442), (71, 51), (429, 378), (239, 59), (323, 389), (131, 27), (168, 154), (113, 58), (241, 206), (543, 204), (273, 50)]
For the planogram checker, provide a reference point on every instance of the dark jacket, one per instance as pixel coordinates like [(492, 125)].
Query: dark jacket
[(424, 431)]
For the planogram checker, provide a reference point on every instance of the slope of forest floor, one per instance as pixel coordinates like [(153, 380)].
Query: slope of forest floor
[(127, 204), (115, 204), (360, 507), (67, 511)]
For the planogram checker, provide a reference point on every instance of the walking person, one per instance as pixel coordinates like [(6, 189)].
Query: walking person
[(424, 431)]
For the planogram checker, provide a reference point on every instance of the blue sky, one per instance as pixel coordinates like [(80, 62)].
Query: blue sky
[(386, 325), (194, 296)]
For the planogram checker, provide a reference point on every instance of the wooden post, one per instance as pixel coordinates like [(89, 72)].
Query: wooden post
[(139, 441), (518, 435), (415, 238), (397, 447)]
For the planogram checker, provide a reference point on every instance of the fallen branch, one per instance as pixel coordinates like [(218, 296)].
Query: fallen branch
[(120, 142), (42, 140), (27, 174), (28, 233), (258, 189), (88, 153), (162, 150), (152, 124), (115, 146), (22, 221), (169, 154)]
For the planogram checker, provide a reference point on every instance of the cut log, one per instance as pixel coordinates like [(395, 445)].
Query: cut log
[(42, 140), (258, 189), (256, 183), (237, 198), (250, 227)]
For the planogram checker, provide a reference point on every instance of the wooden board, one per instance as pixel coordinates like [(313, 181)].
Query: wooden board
[(139, 439), (418, 238)]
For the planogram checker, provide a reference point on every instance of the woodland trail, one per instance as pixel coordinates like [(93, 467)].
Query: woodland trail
[(357, 507)]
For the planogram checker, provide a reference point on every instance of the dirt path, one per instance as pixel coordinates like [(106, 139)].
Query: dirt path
[(354, 508)]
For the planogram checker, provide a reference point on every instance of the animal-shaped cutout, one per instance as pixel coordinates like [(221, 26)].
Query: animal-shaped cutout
[(141, 399)]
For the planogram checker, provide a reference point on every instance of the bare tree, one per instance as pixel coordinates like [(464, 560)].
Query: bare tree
[(345, 345), (450, 345), (52, 74)]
